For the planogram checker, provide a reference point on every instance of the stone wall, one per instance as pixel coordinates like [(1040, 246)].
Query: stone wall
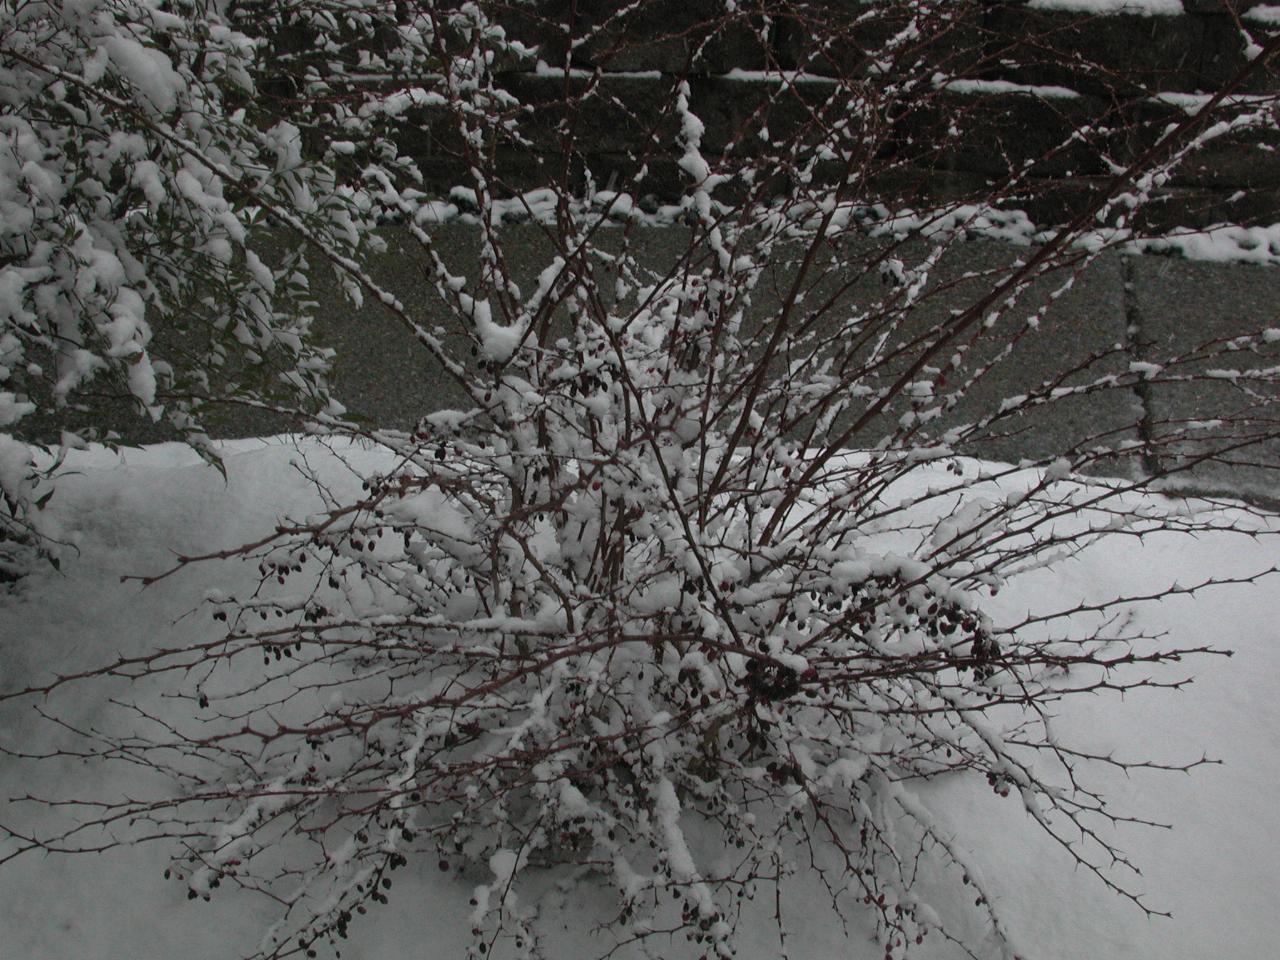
[(1148, 307), (1141, 303), (1126, 70)]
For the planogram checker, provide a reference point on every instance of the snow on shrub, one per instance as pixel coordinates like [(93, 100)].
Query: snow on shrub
[(141, 146), (635, 610)]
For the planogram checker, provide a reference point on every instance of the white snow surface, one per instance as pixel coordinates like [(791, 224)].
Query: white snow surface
[(1220, 243), (973, 86), (1263, 14), (1216, 870), (1144, 8)]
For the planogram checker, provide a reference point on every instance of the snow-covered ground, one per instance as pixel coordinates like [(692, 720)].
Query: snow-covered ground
[(1217, 868)]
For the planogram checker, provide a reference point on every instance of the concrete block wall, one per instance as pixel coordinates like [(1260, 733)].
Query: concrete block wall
[(1118, 65), (1124, 309)]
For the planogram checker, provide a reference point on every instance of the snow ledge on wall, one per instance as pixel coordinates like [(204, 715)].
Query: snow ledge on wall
[(1141, 8)]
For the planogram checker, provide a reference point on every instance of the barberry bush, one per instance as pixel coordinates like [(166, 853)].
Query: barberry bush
[(660, 601)]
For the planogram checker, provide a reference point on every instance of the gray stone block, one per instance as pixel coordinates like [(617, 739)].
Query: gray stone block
[(1175, 209), (1244, 161), (1000, 135), (1222, 50), (1079, 340), (381, 373), (838, 38), (1076, 339), (1110, 56), (1191, 312), (671, 36), (1219, 6)]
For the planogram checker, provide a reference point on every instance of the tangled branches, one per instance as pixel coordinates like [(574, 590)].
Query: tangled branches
[(636, 599)]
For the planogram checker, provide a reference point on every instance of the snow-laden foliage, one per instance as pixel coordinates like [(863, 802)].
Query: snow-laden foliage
[(634, 612), (142, 147)]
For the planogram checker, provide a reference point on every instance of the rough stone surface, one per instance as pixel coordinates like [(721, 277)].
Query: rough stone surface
[(1115, 61), (388, 378), (1222, 52), (1108, 55), (1076, 339), (1021, 132), (383, 375), (854, 45), (664, 35), (1180, 208), (1180, 307)]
